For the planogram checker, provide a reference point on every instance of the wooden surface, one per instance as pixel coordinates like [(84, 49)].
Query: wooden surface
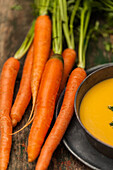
[(14, 25)]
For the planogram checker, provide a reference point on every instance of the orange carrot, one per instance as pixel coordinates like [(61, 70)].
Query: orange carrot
[(24, 94), (45, 105), (7, 82), (42, 42), (63, 119), (69, 56)]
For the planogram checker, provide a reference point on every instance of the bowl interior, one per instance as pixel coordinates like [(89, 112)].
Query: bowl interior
[(90, 81)]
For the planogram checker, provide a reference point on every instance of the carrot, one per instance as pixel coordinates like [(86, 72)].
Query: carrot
[(45, 105), (63, 119), (7, 82), (69, 56), (42, 42), (24, 94)]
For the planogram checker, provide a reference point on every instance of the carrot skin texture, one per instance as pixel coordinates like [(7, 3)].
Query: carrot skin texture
[(45, 106), (69, 56), (42, 43), (63, 119), (7, 82), (24, 94)]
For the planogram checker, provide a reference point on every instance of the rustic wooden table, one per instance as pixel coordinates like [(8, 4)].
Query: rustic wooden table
[(14, 25)]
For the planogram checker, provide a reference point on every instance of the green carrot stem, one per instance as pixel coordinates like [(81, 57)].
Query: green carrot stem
[(57, 29), (107, 9), (87, 37), (108, 3), (87, 21), (81, 39), (55, 47), (84, 38), (71, 22), (63, 11), (26, 44), (66, 32), (43, 6), (37, 3), (86, 45), (95, 28), (54, 26)]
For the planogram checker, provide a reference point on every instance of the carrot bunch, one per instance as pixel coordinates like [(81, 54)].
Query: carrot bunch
[(67, 108), (40, 55), (49, 86), (7, 83), (43, 79)]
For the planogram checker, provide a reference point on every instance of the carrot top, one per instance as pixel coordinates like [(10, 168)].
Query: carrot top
[(26, 43), (57, 29), (85, 14), (42, 6), (68, 27)]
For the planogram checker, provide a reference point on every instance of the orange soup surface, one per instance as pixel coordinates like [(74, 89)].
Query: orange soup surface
[(96, 111)]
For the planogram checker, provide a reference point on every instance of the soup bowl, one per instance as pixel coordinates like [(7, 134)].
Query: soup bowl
[(90, 81)]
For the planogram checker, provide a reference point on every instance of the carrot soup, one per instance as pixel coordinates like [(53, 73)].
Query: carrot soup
[(96, 111)]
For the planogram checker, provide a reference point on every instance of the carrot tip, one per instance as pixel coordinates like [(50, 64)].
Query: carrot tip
[(14, 122)]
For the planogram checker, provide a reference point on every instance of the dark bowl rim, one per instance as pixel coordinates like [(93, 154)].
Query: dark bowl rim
[(76, 113)]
